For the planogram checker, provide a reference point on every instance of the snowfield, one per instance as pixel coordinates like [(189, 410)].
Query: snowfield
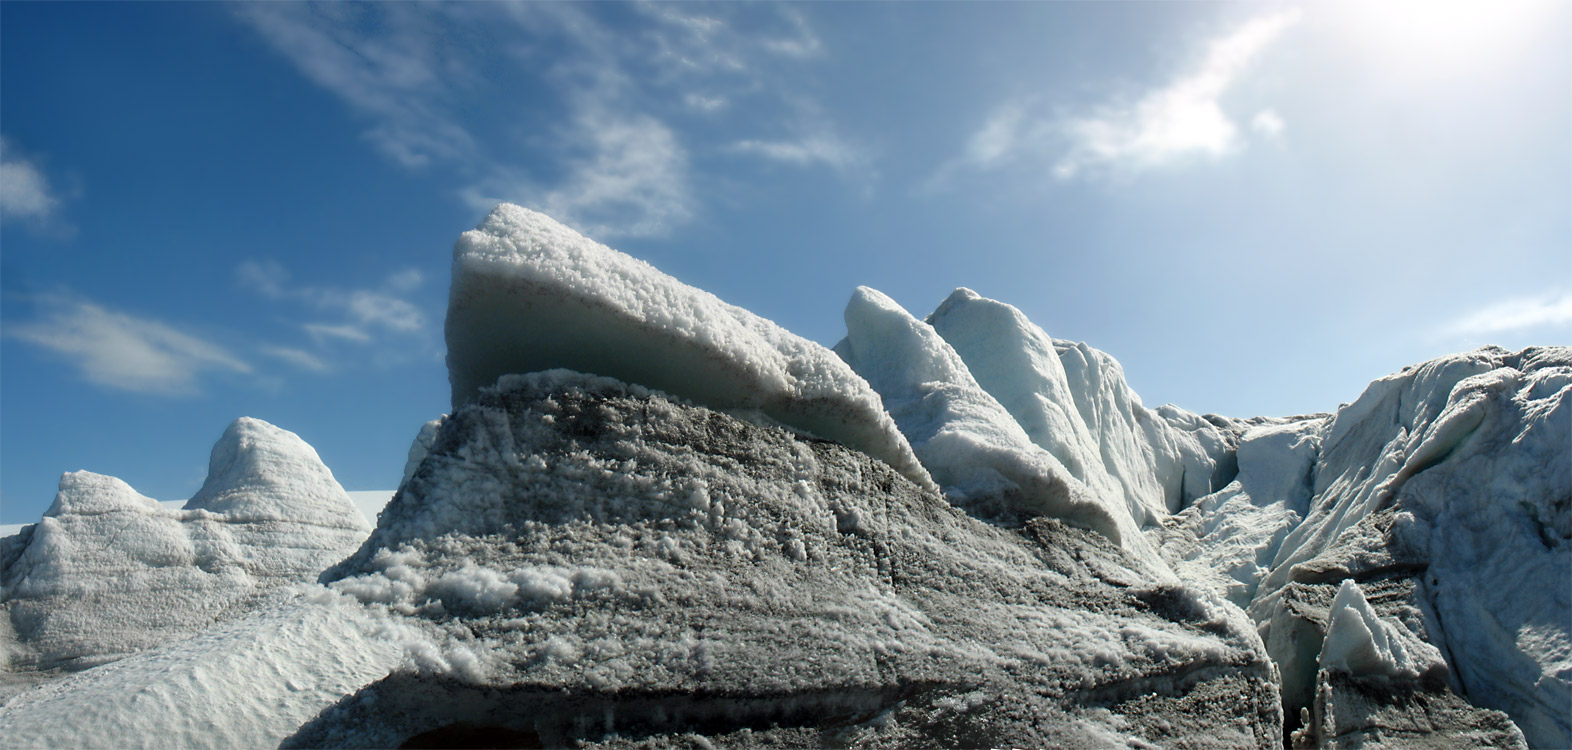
[(655, 519)]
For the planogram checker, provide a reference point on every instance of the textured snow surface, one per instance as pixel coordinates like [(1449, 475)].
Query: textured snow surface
[(108, 572), (587, 556), (246, 683), (1228, 538), (955, 531), (530, 294)]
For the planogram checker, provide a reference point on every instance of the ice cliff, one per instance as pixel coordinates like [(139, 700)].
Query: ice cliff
[(1445, 492), (656, 519)]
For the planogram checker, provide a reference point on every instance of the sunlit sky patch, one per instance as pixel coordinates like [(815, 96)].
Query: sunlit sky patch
[(210, 211)]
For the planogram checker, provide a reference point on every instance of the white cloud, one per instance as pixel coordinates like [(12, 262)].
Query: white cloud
[(390, 62), (24, 190), (406, 280), (822, 148), (611, 161), (375, 309), (266, 277), (323, 333), (119, 350), (298, 357), (365, 314), (801, 43), (1543, 311), (1183, 119), (629, 179), (1267, 123)]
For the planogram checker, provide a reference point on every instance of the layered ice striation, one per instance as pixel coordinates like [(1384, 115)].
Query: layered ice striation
[(591, 560), (530, 294), (108, 572), (653, 517)]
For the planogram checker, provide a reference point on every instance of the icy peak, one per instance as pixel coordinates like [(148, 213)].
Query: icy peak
[(263, 472), (1360, 642), (85, 493), (530, 295)]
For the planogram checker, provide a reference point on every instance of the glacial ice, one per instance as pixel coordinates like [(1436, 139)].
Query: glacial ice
[(1360, 643), (966, 439), (1448, 486), (708, 530), (108, 572), (530, 294), (580, 550), (1095, 426)]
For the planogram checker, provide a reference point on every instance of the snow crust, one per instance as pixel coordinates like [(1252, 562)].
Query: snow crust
[(530, 294), (108, 572)]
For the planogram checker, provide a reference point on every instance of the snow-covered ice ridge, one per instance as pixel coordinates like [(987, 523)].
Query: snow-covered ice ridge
[(653, 516), (108, 572)]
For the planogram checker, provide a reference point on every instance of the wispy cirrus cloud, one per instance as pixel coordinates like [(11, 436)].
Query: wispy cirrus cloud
[(386, 62), (628, 177), (1545, 311), (119, 350), (611, 154), (298, 357), (362, 316)]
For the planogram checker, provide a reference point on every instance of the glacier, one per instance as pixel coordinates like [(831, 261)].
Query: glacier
[(655, 519)]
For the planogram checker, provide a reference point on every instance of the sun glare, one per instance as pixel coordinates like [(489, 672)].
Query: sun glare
[(1442, 38)]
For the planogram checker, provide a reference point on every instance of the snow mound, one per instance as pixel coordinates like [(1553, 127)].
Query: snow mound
[(1360, 643), (1072, 401), (967, 440), (530, 294), (108, 572), (259, 472)]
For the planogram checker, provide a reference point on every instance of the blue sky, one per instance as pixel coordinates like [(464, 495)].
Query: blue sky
[(210, 211)]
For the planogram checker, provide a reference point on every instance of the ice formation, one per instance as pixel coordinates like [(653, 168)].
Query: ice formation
[(966, 439), (1447, 489), (710, 531), (108, 572), (1072, 400), (580, 548), (1360, 643), (530, 294)]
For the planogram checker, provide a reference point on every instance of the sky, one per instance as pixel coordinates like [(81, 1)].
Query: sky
[(212, 210)]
